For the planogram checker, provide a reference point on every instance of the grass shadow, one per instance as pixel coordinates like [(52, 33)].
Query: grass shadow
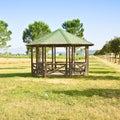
[(79, 77), (102, 72), (106, 93), (7, 75), (100, 77), (89, 77)]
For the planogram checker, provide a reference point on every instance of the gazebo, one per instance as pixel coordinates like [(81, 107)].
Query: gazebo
[(40, 66)]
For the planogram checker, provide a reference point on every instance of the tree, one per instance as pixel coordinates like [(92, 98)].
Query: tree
[(115, 47), (74, 26), (35, 31), (112, 46), (4, 34), (97, 52), (105, 49)]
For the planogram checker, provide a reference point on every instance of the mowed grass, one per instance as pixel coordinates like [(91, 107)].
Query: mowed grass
[(93, 97)]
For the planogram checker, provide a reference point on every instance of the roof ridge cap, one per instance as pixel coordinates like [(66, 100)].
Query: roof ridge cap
[(48, 35), (65, 37)]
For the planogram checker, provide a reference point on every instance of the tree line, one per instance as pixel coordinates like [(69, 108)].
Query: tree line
[(112, 46), (38, 29)]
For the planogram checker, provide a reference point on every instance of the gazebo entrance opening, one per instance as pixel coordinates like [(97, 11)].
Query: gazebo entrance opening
[(42, 65)]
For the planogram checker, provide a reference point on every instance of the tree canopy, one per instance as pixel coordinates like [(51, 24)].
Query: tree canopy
[(4, 34), (115, 45), (74, 26), (35, 31)]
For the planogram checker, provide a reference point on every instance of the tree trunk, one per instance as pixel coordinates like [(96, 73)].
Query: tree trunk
[(115, 58), (119, 58)]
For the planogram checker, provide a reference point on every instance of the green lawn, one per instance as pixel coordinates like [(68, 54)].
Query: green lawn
[(93, 97)]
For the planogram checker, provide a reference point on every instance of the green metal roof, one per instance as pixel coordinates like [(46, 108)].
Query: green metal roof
[(60, 38)]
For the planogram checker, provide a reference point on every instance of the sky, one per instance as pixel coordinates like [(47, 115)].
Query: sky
[(100, 18)]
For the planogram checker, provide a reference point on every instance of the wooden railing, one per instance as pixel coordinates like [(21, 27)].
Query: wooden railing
[(76, 68)]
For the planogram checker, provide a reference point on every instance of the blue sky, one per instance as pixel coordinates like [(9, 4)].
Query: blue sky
[(101, 18)]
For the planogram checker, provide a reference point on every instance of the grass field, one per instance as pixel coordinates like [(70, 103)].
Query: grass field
[(93, 97)]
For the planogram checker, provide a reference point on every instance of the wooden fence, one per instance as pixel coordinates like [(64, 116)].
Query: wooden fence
[(110, 58)]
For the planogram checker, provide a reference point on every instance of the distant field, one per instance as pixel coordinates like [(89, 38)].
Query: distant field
[(93, 97)]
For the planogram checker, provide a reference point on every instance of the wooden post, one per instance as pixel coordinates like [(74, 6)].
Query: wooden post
[(70, 63), (53, 57), (67, 62), (39, 56), (38, 51), (73, 58), (44, 61), (36, 59), (45, 64), (87, 60), (32, 60), (73, 53)]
